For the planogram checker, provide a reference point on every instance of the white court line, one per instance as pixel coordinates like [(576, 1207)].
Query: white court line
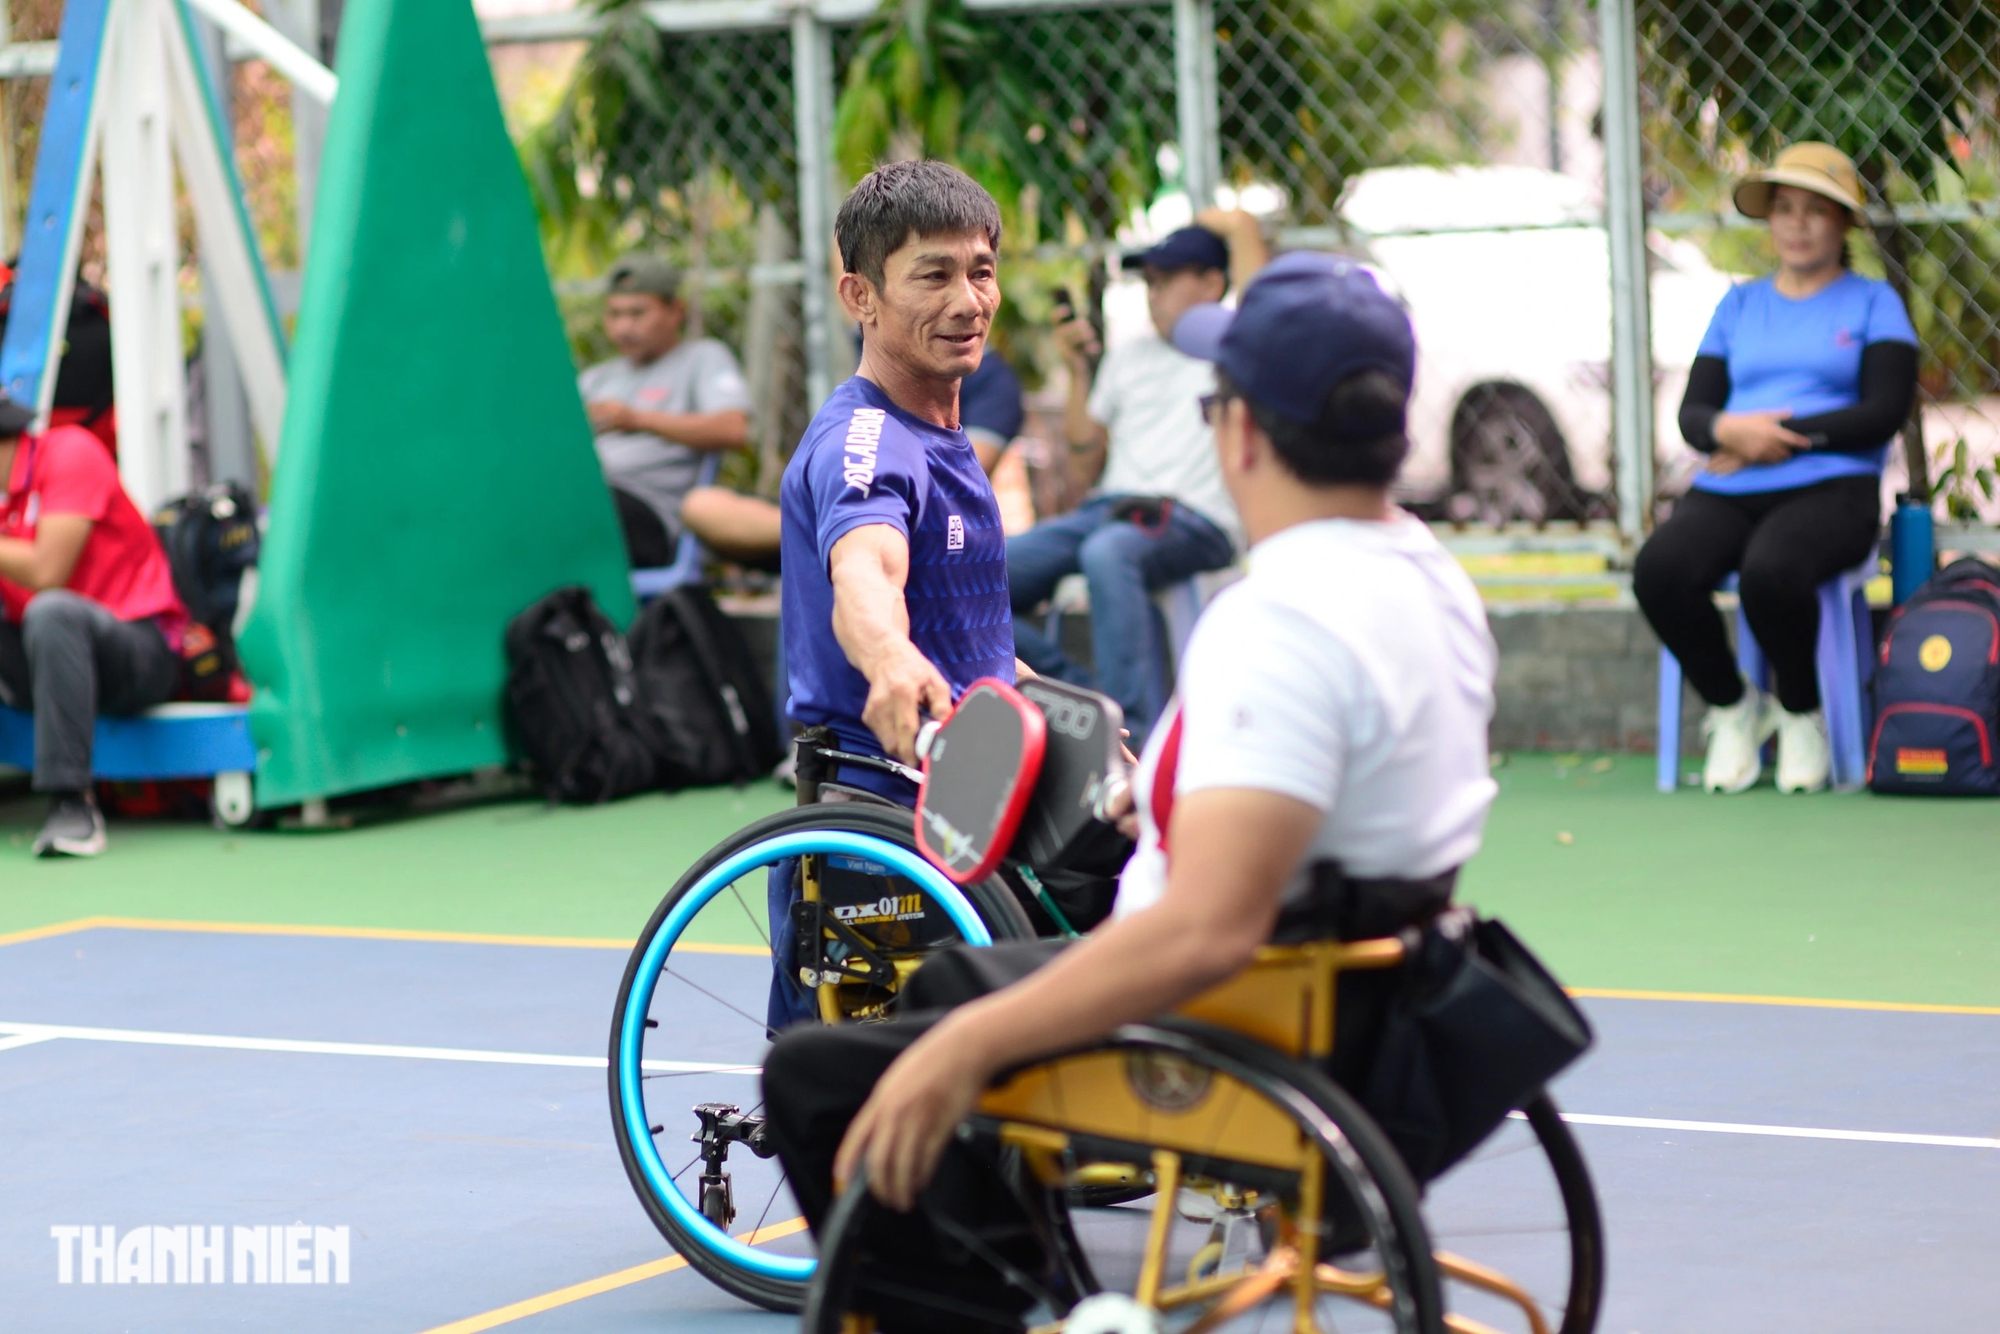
[(23, 1040), (1783, 1132), (23, 1034)]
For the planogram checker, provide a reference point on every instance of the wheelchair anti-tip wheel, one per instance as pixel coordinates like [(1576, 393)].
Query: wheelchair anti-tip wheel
[(689, 1032), (1276, 1203)]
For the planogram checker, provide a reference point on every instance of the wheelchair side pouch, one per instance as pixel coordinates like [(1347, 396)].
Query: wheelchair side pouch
[(1476, 1029)]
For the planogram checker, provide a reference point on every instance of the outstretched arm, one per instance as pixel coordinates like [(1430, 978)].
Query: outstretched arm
[(869, 567), (1234, 850)]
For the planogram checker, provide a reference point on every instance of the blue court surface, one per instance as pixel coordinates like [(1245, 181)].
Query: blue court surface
[(1763, 1167)]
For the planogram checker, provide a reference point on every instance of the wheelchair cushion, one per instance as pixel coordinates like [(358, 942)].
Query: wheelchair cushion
[(979, 774)]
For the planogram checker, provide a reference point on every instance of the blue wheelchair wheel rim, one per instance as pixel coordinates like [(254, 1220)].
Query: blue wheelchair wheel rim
[(631, 1038)]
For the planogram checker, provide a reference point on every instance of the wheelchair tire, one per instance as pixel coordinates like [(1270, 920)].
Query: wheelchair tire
[(880, 833), (1586, 1222), (1373, 1181)]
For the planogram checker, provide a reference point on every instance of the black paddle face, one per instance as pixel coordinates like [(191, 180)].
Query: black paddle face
[(979, 768), (1084, 754)]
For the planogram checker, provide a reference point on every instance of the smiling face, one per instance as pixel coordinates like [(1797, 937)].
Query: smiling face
[(934, 307), (1808, 230)]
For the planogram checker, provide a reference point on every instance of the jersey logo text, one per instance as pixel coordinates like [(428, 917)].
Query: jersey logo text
[(864, 436), (954, 534)]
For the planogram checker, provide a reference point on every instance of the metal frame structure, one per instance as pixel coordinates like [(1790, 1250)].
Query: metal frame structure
[(811, 25), (130, 87)]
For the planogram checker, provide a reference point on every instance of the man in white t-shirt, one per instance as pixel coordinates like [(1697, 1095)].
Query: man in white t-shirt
[(1333, 712), (1160, 513), (658, 407)]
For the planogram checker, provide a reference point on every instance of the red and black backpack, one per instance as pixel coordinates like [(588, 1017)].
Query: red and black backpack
[(1937, 688)]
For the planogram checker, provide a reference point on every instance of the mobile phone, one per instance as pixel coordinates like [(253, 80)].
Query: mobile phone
[(1065, 300)]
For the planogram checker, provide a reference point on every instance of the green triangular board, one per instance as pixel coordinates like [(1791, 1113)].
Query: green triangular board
[(436, 473)]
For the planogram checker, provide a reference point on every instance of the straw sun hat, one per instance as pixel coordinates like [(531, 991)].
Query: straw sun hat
[(1820, 168)]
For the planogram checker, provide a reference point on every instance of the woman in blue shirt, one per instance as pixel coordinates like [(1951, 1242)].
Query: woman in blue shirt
[(1801, 382)]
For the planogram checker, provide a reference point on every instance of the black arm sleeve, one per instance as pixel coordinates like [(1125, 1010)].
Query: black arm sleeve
[(1888, 383), (1707, 391)]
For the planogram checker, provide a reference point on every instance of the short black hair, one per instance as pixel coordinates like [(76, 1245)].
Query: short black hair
[(892, 203), (1359, 437)]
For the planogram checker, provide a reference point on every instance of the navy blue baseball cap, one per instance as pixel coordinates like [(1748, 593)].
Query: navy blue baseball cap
[(1307, 322), (1188, 248)]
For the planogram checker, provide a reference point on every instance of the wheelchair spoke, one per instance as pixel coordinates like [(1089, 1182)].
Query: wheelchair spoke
[(737, 890), (734, 1009)]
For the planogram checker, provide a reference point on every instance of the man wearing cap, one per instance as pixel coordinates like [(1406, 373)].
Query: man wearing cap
[(1332, 708), (89, 621), (657, 407), (1800, 383), (1159, 514)]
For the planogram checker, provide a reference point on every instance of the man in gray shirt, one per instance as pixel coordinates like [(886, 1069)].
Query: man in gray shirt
[(657, 408)]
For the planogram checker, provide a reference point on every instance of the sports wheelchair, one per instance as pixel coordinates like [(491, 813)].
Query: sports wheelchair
[(1204, 1172), (691, 1022)]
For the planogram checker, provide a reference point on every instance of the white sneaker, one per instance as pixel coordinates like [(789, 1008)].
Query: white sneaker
[(1736, 735), (1804, 758)]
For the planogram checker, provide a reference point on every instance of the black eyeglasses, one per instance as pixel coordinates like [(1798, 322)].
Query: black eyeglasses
[(1211, 405)]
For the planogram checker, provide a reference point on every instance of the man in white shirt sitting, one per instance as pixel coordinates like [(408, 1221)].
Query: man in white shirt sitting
[(1159, 514), (1333, 712)]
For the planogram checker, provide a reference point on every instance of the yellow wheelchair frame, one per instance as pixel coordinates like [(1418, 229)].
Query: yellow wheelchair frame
[(1063, 1114)]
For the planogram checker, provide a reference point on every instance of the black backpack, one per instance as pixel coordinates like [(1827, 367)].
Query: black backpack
[(574, 703), (705, 691), (210, 538), (1937, 687)]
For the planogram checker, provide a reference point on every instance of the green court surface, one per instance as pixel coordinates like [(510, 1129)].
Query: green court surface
[(1839, 896)]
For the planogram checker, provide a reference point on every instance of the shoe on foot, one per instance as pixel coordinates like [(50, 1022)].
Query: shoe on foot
[(75, 827), (1736, 736), (1804, 758)]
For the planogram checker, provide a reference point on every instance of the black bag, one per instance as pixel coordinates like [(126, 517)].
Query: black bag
[(210, 538), (1937, 687), (1474, 1029), (574, 703), (706, 697)]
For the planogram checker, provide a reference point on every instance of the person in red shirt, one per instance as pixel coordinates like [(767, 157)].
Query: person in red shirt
[(89, 621)]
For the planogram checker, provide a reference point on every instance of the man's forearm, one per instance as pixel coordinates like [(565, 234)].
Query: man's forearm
[(1080, 429), (696, 430), (1133, 969)]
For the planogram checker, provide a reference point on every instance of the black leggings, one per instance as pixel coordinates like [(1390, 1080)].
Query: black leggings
[(1784, 545)]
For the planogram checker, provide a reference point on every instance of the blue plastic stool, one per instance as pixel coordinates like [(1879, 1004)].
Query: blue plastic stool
[(648, 584), (171, 741), (1844, 657)]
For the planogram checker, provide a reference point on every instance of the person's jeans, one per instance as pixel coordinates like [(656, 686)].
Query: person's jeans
[(69, 660), (1124, 564)]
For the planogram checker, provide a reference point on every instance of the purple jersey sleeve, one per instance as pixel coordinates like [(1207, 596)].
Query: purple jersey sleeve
[(876, 477)]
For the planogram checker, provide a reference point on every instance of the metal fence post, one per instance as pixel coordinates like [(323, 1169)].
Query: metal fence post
[(812, 121), (1625, 216), (1195, 99)]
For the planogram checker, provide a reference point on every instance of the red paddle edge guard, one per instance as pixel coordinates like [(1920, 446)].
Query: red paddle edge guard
[(1034, 744)]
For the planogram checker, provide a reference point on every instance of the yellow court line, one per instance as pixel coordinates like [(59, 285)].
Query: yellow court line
[(355, 933), (1802, 1002), (53, 929), (576, 1292)]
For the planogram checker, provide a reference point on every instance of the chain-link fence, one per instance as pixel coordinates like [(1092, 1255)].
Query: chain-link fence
[(1460, 147), (1911, 92)]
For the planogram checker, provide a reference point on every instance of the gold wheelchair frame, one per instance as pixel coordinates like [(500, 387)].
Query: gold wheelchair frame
[(1062, 1114)]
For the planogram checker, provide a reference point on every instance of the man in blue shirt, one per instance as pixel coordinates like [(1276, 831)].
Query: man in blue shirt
[(891, 535)]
